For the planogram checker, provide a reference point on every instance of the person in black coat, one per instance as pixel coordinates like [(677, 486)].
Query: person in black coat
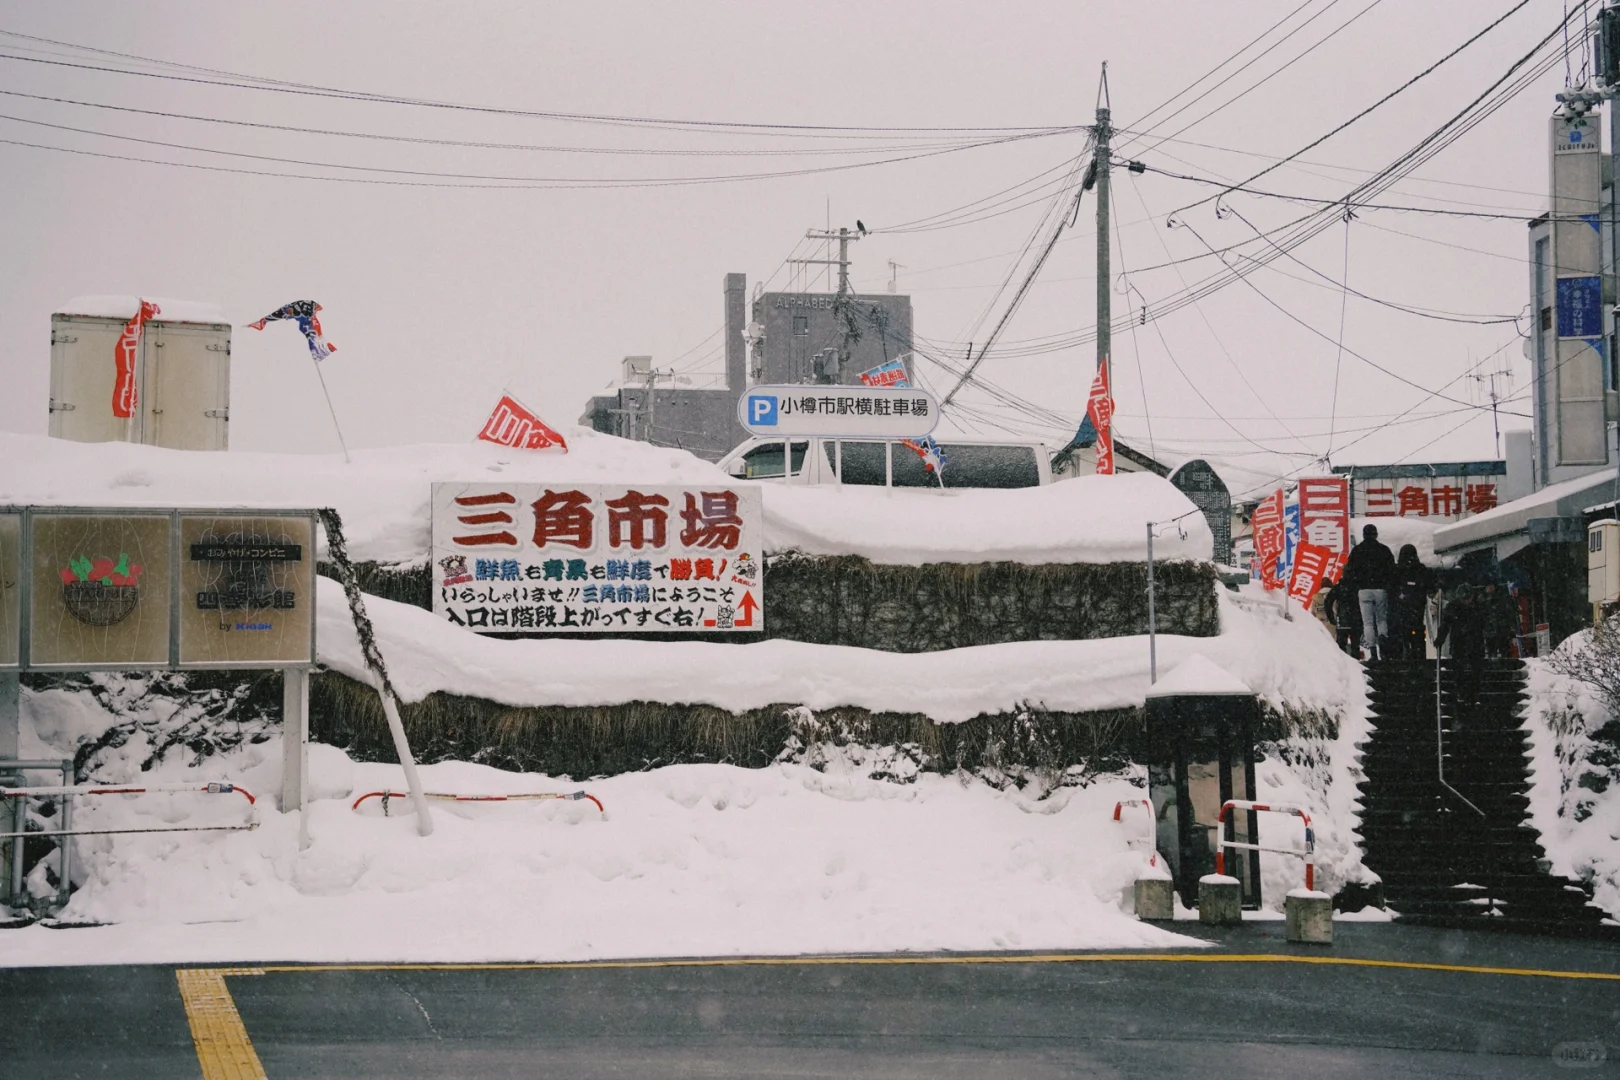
[(1463, 623), (1408, 597), (1339, 604), (1370, 571)]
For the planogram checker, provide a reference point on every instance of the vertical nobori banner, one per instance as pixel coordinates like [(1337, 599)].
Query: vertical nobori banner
[(602, 558)]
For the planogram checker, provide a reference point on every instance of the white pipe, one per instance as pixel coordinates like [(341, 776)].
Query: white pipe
[(424, 820)]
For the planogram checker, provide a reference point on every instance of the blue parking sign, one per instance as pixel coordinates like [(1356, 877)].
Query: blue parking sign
[(762, 409)]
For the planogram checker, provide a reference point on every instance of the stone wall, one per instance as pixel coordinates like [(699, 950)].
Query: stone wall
[(848, 600)]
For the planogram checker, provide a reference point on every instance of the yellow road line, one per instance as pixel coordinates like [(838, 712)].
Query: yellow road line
[(1032, 958), (223, 1049)]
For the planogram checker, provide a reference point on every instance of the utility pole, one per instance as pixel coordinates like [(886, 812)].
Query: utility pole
[(1104, 276), (841, 305), (843, 236)]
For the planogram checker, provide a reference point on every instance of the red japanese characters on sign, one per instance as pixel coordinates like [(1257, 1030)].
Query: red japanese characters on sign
[(1324, 521), (1268, 538), (527, 558), (1449, 497)]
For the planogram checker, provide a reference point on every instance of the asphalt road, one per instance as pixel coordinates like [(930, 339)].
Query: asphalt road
[(1014, 1016)]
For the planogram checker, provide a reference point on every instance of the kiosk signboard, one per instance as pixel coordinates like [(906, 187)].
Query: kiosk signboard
[(145, 588)]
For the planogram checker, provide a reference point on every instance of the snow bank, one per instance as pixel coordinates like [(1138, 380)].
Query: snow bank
[(1294, 662), (383, 498), (1579, 822), (124, 307), (692, 860)]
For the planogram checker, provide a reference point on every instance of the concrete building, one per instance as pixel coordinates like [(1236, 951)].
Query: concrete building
[(1537, 542), (777, 338), (822, 338)]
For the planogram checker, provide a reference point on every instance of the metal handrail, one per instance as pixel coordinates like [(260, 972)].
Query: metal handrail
[(1440, 742)]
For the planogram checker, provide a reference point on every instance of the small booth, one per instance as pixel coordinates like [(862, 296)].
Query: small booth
[(1200, 753)]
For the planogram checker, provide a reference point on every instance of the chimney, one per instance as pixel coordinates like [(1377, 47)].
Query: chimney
[(736, 323)]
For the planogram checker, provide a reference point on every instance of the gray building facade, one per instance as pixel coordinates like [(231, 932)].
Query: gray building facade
[(822, 337), (776, 338)]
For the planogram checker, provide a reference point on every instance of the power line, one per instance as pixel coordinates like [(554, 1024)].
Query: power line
[(485, 145), (1380, 102), (248, 82), (493, 180)]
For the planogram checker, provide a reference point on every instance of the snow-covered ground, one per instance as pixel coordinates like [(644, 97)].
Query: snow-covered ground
[(694, 859), (691, 860), (1579, 822)]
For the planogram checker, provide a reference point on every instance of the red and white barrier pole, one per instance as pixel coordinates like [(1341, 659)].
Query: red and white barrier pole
[(385, 795), (1153, 825), (217, 788), (1301, 812)]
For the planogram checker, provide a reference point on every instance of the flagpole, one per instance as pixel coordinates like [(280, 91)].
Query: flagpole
[(335, 426)]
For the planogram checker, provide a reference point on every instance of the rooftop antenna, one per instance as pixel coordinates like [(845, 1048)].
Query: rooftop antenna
[(894, 267)]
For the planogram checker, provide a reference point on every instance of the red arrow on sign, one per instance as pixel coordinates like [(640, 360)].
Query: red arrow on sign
[(745, 610)]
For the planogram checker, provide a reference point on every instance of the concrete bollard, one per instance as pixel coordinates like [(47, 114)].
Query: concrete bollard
[(1155, 899), (1220, 900), (1309, 916)]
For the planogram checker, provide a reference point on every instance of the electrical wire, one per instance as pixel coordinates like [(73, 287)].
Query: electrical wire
[(247, 82), (1381, 101), (561, 183)]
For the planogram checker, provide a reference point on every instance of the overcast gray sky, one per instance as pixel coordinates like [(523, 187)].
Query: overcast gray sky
[(439, 297)]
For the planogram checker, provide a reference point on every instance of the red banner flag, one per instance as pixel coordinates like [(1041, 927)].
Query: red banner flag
[(513, 425), (1100, 408), (1268, 538), (1324, 519), (1312, 565), (125, 394)]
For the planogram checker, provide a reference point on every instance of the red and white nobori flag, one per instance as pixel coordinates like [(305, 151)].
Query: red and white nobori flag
[(1100, 407), (1267, 523), (1312, 565), (513, 425), (125, 395)]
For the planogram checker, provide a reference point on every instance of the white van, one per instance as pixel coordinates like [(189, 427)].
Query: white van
[(969, 463)]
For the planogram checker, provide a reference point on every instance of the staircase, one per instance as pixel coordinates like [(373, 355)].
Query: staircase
[(1443, 862)]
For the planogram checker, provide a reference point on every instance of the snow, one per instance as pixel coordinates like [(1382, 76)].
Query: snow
[(124, 307), (1218, 879), (1199, 676), (1283, 661), (709, 860), (1306, 894), (383, 498), (1579, 826)]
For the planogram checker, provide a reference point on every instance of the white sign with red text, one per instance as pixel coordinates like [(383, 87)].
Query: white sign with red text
[(598, 558)]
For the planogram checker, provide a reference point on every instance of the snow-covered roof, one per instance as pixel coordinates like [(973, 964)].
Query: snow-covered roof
[(1199, 676), (124, 307), (1566, 499)]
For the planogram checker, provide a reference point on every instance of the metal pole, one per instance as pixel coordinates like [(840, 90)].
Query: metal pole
[(1153, 621), (64, 861), (321, 376), (19, 825), (396, 728), (1439, 739), (294, 737), (1104, 277)]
